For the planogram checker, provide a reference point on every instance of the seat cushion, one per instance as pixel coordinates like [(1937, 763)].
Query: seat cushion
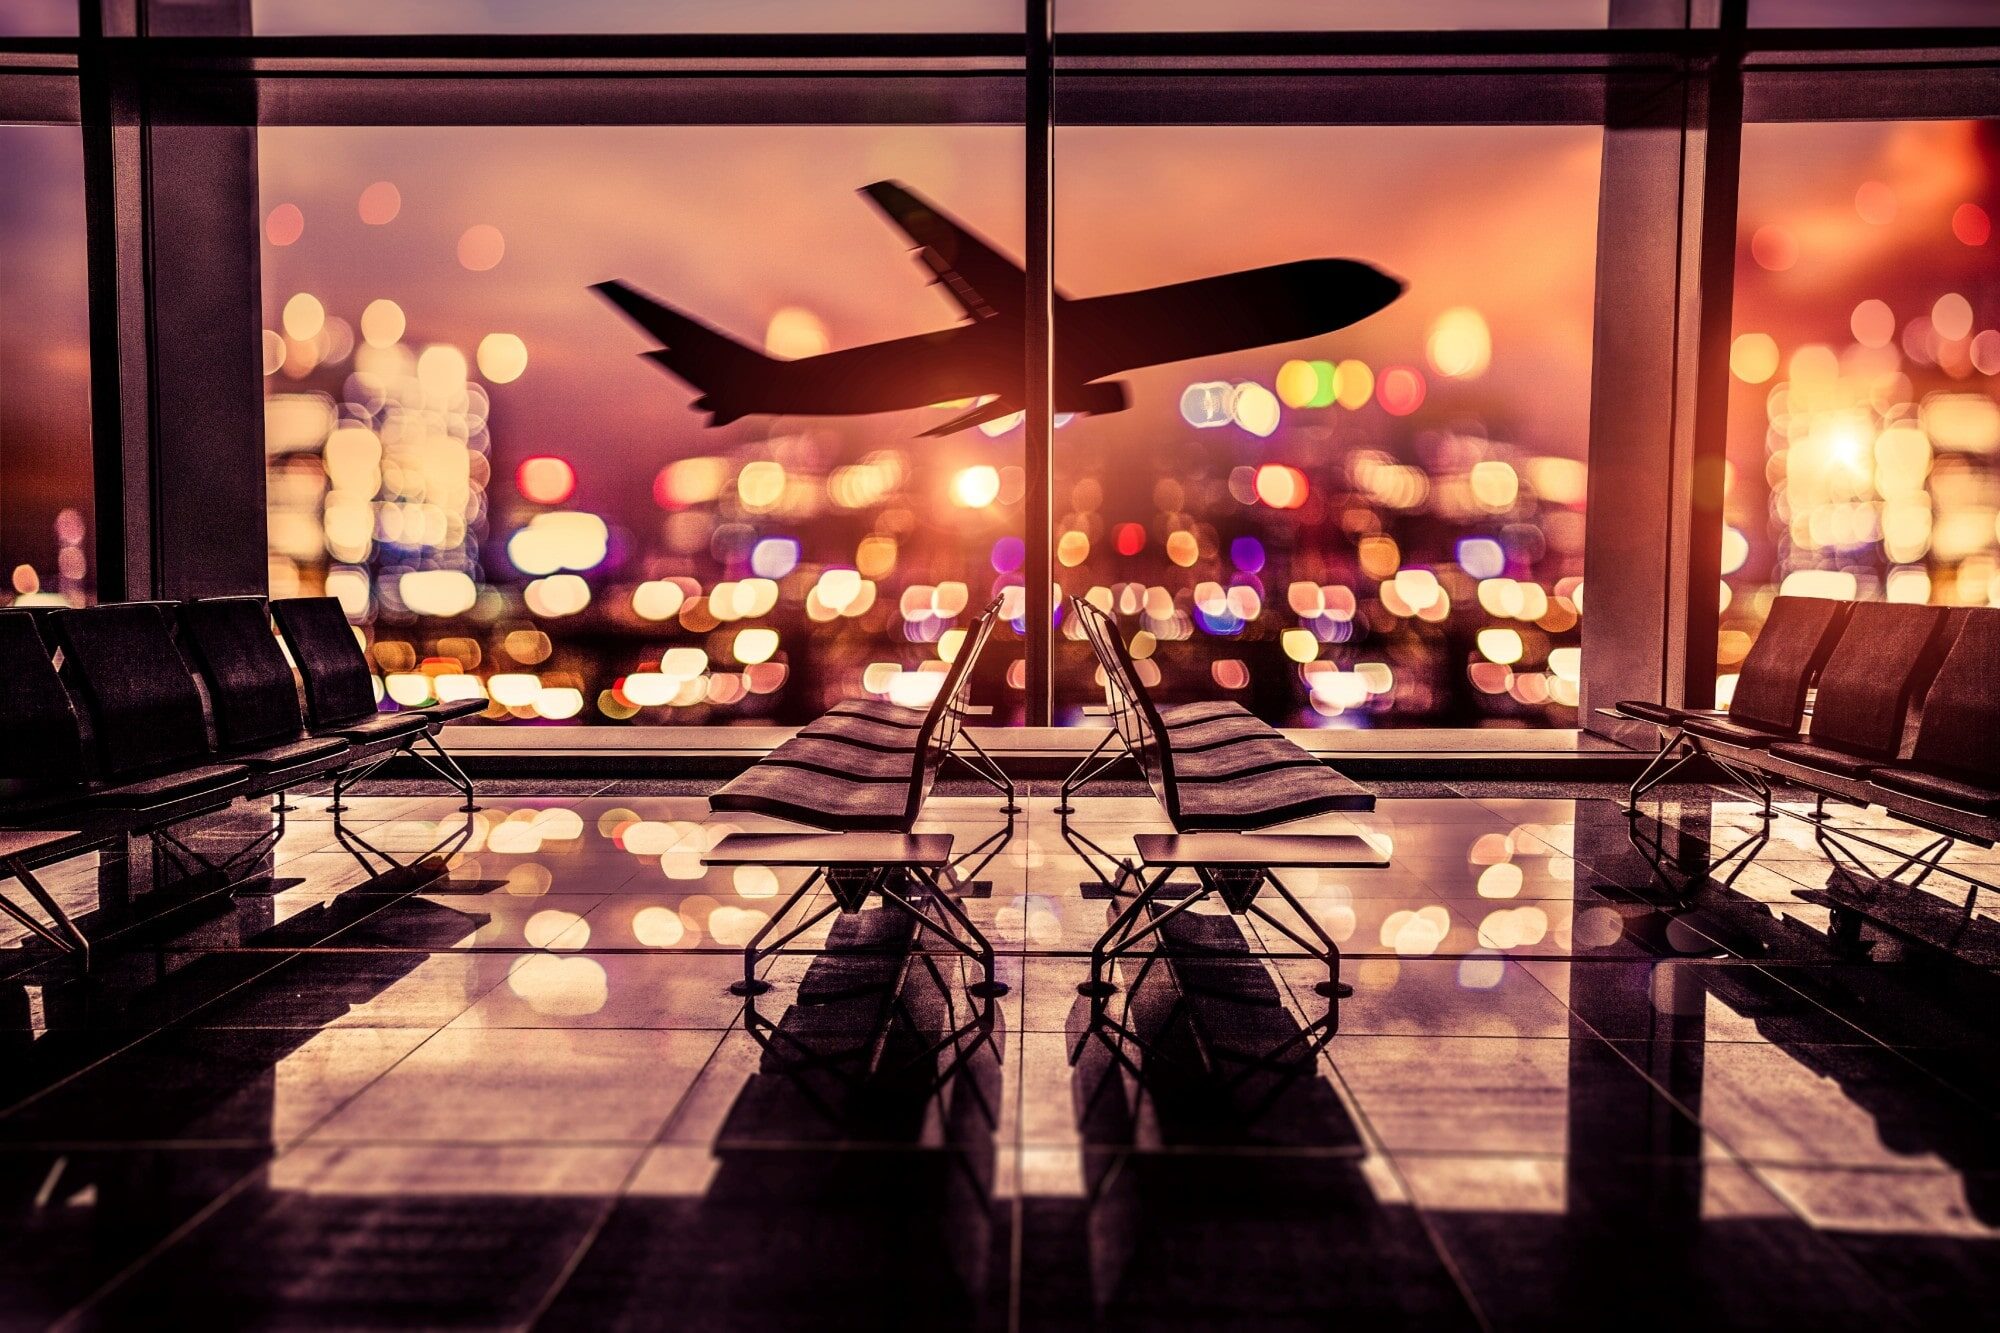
[(1724, 729), (382, 726), (1207, 735), (43, 748), (290, 754), (821, 802), (1865, 691), (144, 708), (879, 710), (453, 709), (165, 788), (856, 763), (1962, 711), (339, 686), (1968, 796), (253, 696), (1274, 796), (1647, 711), (866, 732), (1826, 758), (1790, 648), (1206, 710), (1226, 763)]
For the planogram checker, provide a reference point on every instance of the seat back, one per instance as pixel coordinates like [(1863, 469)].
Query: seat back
[(253, 695), (1959, 734), (340, 689), (145, 711), (946, 714), (43, 750), (1790, 650), (1867, 685), (1133, 713)]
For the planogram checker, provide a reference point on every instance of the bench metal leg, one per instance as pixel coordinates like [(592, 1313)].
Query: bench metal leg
[(1671, 758), (70, 939), (347, 777), (1092, 854), (981, 950), (1744, 776), (1085, 771), (1124, 931), (1328, 951), (987, 770), (440, 762), (756, 951), (361, 849)]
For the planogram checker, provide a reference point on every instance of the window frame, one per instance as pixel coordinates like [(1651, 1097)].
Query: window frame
[(160, 87)]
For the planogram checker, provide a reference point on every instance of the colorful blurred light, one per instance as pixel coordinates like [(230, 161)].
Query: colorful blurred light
[(545, 479)]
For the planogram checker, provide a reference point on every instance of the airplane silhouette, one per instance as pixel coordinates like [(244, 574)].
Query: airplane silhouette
[(982, 359)]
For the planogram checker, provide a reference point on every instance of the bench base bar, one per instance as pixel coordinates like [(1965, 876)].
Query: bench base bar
[(1238, 887)]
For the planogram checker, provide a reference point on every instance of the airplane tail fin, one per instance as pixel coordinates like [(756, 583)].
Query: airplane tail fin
[(708, 359)]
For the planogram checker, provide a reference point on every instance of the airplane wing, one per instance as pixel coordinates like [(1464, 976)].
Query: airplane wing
[(979, 415), (983, 281)]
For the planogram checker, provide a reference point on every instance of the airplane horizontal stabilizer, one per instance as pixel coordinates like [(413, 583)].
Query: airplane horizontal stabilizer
[(984, 282), (706, 358), (979, 415)]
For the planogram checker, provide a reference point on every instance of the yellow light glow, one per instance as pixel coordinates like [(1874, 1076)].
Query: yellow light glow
[(304, 317), (975, 487), (1753, 357), (1460, 344), (502, 357)]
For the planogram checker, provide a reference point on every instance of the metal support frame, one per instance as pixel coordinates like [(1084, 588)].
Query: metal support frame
[(1125, 931), (801, 1058), (1115, 1033), (361, 850), (885, 880), (439, 761), (1840, 845), (1653, 851), (1674, 743), (64, 935)]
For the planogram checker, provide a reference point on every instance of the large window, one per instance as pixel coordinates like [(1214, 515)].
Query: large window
[(1864, 430), (1377, 526), (469, 447), (45, 464)]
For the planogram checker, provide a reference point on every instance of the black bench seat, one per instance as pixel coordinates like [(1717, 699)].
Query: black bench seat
[(1770, 699), (850, 771), (817, 800), (1272, 796)]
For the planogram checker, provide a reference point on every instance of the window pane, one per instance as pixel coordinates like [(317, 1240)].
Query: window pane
[(1378, 526), (1325, 15), (1864, 417), (1870, 13), (38, 18), (300, 17), (473, 451), (45, 465)]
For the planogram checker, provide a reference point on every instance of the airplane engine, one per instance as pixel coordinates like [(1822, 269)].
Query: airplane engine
[(1095, 399)]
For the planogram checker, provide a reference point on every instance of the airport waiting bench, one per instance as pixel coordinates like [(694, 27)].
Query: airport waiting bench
[(1905, 716), (861, 775), (1218, 794), (130, 718)]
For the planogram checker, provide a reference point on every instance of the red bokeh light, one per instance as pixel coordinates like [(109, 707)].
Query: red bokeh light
[(285, 225), (545, 480), (1400, 390), (1131, 539), (1971, 225)]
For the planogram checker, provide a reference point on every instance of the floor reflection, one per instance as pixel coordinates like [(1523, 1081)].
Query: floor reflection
[(487, 1071)]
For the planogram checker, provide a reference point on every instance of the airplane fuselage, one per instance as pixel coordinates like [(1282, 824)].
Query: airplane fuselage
[(1094, 337)]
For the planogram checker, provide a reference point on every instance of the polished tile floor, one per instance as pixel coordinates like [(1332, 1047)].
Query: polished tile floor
[(1580, 1083)]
